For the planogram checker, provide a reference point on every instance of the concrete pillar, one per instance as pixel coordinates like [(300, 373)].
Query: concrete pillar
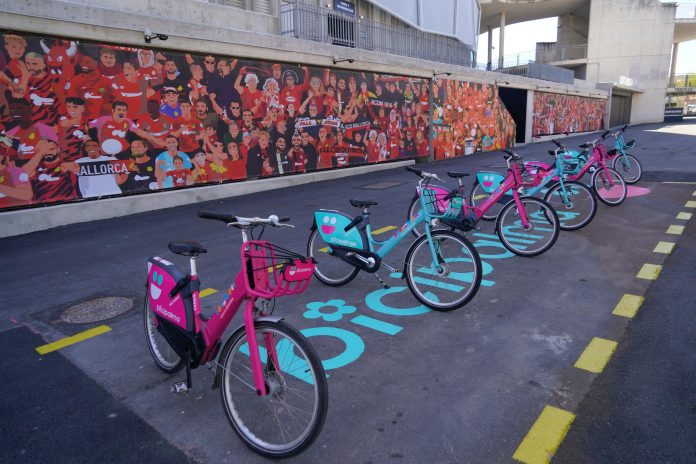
[(673, 68), (489, 63), (501, 40)]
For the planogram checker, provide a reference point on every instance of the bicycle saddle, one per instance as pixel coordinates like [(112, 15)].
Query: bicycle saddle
[(552, 152), (586, 145), (188, 248), (457, 175), (362, 203)]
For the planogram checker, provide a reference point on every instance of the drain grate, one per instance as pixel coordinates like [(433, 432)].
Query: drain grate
[(96, 310), (383, 185)]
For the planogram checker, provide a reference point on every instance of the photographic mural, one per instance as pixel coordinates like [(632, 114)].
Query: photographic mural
[(556, 114), (469, 117), (84, 120)]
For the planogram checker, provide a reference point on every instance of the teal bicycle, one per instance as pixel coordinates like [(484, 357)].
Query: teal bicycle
[(624, 163), (442, 268)]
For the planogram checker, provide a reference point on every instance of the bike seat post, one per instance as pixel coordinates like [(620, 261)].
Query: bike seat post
[(192, 261)]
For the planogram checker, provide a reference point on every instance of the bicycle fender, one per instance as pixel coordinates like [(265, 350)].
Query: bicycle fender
[(268, 319)]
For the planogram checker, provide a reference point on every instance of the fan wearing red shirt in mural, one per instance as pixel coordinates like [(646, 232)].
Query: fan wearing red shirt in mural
[(218, 167), (394, 134), (73, 129), (51, 180), (131, 88), (26, 135), (236, 163), (252, 98), (112, 130), (189, 129), (341, 149), (40, 90), (15, 186), (180, 176), (324, 148), (91, 86), (421, 144), (196, 89), (292, 91), (297, 156), (154, 123), (108, 66), (372, 148), (15, 46)]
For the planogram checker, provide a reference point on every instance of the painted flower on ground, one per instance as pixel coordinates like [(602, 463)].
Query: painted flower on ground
[(330, 311)]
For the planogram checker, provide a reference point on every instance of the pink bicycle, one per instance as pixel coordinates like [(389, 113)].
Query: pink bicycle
[(272, 383)]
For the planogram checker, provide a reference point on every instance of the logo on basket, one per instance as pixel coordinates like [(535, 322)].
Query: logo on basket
[(488, 181), (329, 225), (155, 291), (167, 314)]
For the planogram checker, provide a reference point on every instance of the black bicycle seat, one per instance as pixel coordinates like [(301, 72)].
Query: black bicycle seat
[(362, 203), (586, 145), (457, 175), (552, 152), (188, 248)]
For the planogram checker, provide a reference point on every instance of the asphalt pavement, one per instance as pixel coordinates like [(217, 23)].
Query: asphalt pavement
[(456, 387)]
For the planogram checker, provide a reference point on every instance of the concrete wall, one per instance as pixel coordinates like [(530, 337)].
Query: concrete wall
[(633, 38)]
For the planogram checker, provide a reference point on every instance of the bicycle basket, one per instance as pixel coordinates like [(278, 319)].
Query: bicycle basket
[(271, 271), (437, 203)]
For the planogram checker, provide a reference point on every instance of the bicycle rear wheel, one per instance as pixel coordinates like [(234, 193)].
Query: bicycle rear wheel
[(290, 417), (456, 278), (330, 270), (478, 195), (629, 167), (538, 236), (612, 195), (576, 208), (165, 357)]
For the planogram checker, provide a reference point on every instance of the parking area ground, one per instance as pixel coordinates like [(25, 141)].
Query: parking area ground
[(406, 385)]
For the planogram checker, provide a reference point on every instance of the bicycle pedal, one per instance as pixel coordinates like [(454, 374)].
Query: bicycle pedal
[(179, 387)]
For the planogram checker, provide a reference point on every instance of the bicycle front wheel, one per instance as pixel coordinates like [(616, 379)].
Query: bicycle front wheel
[(539, 235), (609, 186), (449, 282), (330, 270), (574, 202), (165, 357), (629, 167), (478, 195), (291, 415)]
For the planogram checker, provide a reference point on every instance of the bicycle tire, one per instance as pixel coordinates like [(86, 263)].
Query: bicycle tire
[(516, 241), (280, 384), (633, 166), (163, 354), (421, 286), (607, 196), (322, 272), (556, 201), (477, 192)]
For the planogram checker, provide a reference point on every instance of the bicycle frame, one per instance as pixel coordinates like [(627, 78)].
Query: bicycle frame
[(214, 328)]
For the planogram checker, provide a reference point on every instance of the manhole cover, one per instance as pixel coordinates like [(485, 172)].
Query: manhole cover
[(96, 310), (383, 185)]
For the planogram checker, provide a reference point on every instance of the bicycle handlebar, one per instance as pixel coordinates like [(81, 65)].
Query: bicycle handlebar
[(422, 174), (559, 144), (244, 222)]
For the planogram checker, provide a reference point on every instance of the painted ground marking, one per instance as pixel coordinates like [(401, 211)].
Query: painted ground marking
[(685, 216), (675, 230), (664, 247), (596, 355), (649, 271), (67, 341), (628, 305), (545, 436), (207, 292)]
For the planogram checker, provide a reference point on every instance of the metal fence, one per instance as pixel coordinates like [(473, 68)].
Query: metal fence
[(310, 22)]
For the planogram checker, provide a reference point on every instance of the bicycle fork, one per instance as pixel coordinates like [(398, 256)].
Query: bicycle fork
[(254, 351)]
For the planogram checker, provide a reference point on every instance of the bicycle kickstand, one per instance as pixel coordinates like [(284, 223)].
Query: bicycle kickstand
[(183, 387)]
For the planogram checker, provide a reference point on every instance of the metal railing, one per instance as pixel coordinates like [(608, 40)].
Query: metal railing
[(309, 22), (686, 11)]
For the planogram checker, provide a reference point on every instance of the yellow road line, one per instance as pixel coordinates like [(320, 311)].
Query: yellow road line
[(649, 271), (63, 342), (545, 436), (686, 216), (664, 247), (672, 182), (596, 355), (628, 305), (383, 230), (324, 250), (675, 230), (694, 194), (207, 292), (690, 204), (479, 197)]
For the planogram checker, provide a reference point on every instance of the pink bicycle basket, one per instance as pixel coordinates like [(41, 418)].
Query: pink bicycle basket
[(271, 271)]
